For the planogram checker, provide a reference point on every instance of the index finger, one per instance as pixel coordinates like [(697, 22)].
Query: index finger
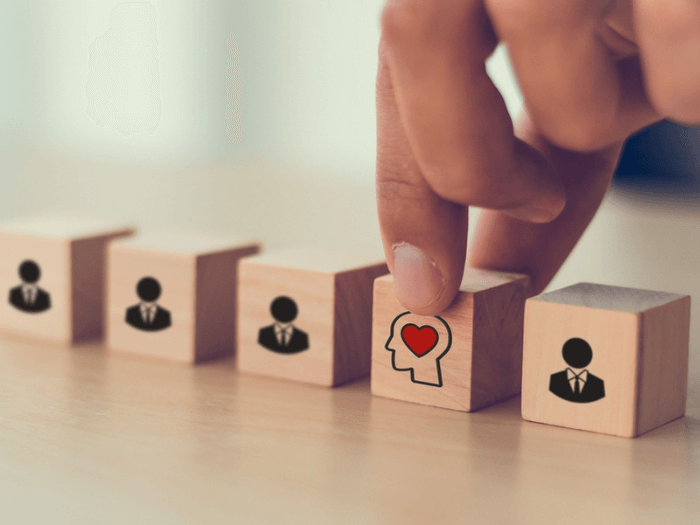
[(425, 237), (453, 115), (445, 141)]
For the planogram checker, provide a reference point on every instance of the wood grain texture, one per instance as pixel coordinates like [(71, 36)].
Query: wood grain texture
[(333, 293), (70, 253), (663, 366), (639, 340), (197, 276), (113, 438), (483, 364)]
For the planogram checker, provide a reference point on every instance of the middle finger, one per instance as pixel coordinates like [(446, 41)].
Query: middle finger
[(579, 91)]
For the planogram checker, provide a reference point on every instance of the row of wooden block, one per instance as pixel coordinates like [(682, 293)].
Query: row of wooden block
[(188, 297), (590, 357)]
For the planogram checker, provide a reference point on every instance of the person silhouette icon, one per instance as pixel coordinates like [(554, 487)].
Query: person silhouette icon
[(28, 297), (283, 337), (417, 344), (577, 387), (148, 315)]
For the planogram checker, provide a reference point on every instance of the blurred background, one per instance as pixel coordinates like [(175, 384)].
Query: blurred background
[(257, 118), (234, 115)]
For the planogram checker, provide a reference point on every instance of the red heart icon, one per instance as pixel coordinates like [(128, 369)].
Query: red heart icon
[(421, 340)]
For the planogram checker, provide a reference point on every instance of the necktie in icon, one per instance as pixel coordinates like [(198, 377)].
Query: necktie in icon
[(150, 312), (578, 381)]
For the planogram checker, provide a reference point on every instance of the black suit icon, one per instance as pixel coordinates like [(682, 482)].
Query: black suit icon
[(581, 387), (283, 337), (28, 297), (147, 315)]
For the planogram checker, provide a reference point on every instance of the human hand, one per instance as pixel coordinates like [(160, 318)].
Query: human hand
[(591, 72)]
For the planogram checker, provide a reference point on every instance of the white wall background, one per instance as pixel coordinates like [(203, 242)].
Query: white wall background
[(307, 73), (168, 112)]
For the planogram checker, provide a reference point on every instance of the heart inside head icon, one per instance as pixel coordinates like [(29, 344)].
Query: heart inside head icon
[(421, 340), (417, 343)]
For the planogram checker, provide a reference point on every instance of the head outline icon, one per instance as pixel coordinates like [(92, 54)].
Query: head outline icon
[(431, 374)]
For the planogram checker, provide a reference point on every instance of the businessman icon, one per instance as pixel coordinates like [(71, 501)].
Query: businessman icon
[(576, 383), (282, 336), (148, 315), (28, 297)]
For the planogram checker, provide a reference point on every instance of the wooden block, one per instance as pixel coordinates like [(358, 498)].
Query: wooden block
[(630, 347), (466, 358), (173, 295), (323, 300), (52, 271)]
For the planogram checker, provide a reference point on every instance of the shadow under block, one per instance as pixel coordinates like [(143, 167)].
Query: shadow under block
[(329, 341), (52, 273), (466, 358), (636, 363), (193, 304)]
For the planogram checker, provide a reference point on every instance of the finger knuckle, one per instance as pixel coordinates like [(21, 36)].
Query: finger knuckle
[(582, 132), (397, 176), (397, 189), (469, 185), (514, 16), (466, 183), (586, 138), (402, 20), (531, 17), (681, 103), (452, 183)]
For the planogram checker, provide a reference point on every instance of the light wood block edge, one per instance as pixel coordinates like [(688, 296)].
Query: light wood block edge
[(663, 351)]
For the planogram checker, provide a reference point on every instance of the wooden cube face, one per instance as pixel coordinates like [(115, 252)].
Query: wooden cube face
[(174, 295), (466, 358), (605, 359), (52, 272), (306, 315)]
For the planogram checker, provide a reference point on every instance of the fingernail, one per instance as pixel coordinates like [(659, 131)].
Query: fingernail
[(418, 282)]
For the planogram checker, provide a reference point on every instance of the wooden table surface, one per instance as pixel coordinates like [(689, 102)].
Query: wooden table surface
[(98, 438)]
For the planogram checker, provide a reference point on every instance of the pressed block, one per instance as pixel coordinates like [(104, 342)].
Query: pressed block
[(52, 271), (605, 358), (173, 295), (306, 315), (468, 357)]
